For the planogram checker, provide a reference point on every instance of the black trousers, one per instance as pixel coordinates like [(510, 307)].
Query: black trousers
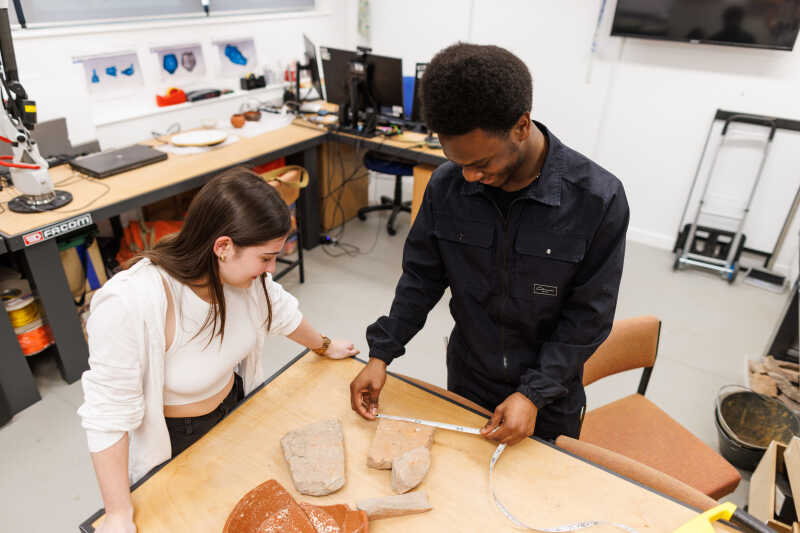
[(562, 417), (183, 432)]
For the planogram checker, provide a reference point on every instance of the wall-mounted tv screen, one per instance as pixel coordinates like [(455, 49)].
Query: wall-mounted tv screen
[(755, 23)]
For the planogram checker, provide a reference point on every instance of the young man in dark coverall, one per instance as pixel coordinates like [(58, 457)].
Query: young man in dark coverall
[(530, 237)]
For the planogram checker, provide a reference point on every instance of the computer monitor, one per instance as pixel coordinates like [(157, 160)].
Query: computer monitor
[(336, 70), (416, 102), (384, 77), (311, 61)]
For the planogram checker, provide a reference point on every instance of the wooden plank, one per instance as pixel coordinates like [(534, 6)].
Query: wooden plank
[(539, 483), (422, 175), (779, 527), (791, 458), (89, 194), (761, 500), (408, 140)]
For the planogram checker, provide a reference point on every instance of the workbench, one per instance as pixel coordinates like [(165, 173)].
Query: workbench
[(539, 483)]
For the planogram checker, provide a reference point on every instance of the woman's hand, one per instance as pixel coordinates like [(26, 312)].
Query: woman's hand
[(341, 349), (312, 339), (117, 523)]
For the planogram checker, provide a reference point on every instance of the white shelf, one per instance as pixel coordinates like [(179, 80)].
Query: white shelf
[(153, 109)]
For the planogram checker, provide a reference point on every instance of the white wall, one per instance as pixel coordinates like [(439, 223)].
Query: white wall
[(640, 108), (45, 60)]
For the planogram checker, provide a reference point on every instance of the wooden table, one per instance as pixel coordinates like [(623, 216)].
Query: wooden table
[(407, 145), (154, 182), (539, 483)]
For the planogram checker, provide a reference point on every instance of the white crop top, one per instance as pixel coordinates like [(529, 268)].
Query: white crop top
[(196, 370)]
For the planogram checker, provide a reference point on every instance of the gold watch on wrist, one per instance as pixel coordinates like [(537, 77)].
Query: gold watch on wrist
[(324, 348)]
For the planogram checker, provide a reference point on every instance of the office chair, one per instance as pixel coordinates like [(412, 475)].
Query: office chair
[(398, 168), (636, 428)]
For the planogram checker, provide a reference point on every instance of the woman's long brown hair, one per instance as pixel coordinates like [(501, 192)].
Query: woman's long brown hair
[(237, 203)]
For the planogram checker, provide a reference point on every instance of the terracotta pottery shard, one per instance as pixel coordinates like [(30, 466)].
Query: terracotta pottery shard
[(394, 438), (267, 508), (404, 504), (315, 454), (320, 519), (355, 522), (348, 520)]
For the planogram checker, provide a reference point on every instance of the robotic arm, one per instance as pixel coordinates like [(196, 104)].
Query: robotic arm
[(27, 166)]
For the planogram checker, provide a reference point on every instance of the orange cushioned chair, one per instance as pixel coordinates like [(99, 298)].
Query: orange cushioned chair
[(636, 428), (638, 472)]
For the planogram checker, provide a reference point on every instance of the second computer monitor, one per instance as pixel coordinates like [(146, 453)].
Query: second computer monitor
[(386, 80), (416, 102), (384, 77), (336, 70)]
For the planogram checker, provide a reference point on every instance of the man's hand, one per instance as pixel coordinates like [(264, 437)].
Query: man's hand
[(512, 421), (366, 388)]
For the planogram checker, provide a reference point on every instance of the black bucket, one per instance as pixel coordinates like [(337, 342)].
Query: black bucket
[(735, 452), (747, 422)]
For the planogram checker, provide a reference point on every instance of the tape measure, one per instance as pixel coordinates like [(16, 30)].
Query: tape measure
[(495, 458), (440, 425)]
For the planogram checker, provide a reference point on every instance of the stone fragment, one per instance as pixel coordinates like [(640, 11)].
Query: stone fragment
[(409, 469), (394, 438), (404, 504), (315, 454)]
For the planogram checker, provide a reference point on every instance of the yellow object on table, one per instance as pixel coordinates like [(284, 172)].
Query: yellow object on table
[(703, 523)]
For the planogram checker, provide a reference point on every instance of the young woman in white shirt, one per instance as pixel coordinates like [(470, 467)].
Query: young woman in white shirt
[(175, 340)]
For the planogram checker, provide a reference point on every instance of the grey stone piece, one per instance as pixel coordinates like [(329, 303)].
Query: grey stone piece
[(403, 504), (315, 454), (409, 469)]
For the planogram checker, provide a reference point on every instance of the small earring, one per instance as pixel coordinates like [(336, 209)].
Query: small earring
[(222, 258)]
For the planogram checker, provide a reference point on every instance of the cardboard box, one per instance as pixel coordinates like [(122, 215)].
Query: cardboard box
[(76, 275), (763, 501)]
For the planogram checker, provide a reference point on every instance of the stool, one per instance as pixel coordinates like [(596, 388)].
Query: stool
[(398, 168)]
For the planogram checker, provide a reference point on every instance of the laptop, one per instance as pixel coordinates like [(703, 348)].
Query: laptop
[(105, 164)]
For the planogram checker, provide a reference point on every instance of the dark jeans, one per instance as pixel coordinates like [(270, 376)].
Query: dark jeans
[(183, 432), (558, 418)]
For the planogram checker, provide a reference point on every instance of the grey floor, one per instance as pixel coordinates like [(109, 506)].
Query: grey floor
[(709, 328)]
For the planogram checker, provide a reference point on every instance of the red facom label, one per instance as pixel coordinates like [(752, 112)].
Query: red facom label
[(57, 229), (33, 238)]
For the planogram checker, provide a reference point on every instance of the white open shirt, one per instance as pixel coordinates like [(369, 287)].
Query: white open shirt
[(124, 386)]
